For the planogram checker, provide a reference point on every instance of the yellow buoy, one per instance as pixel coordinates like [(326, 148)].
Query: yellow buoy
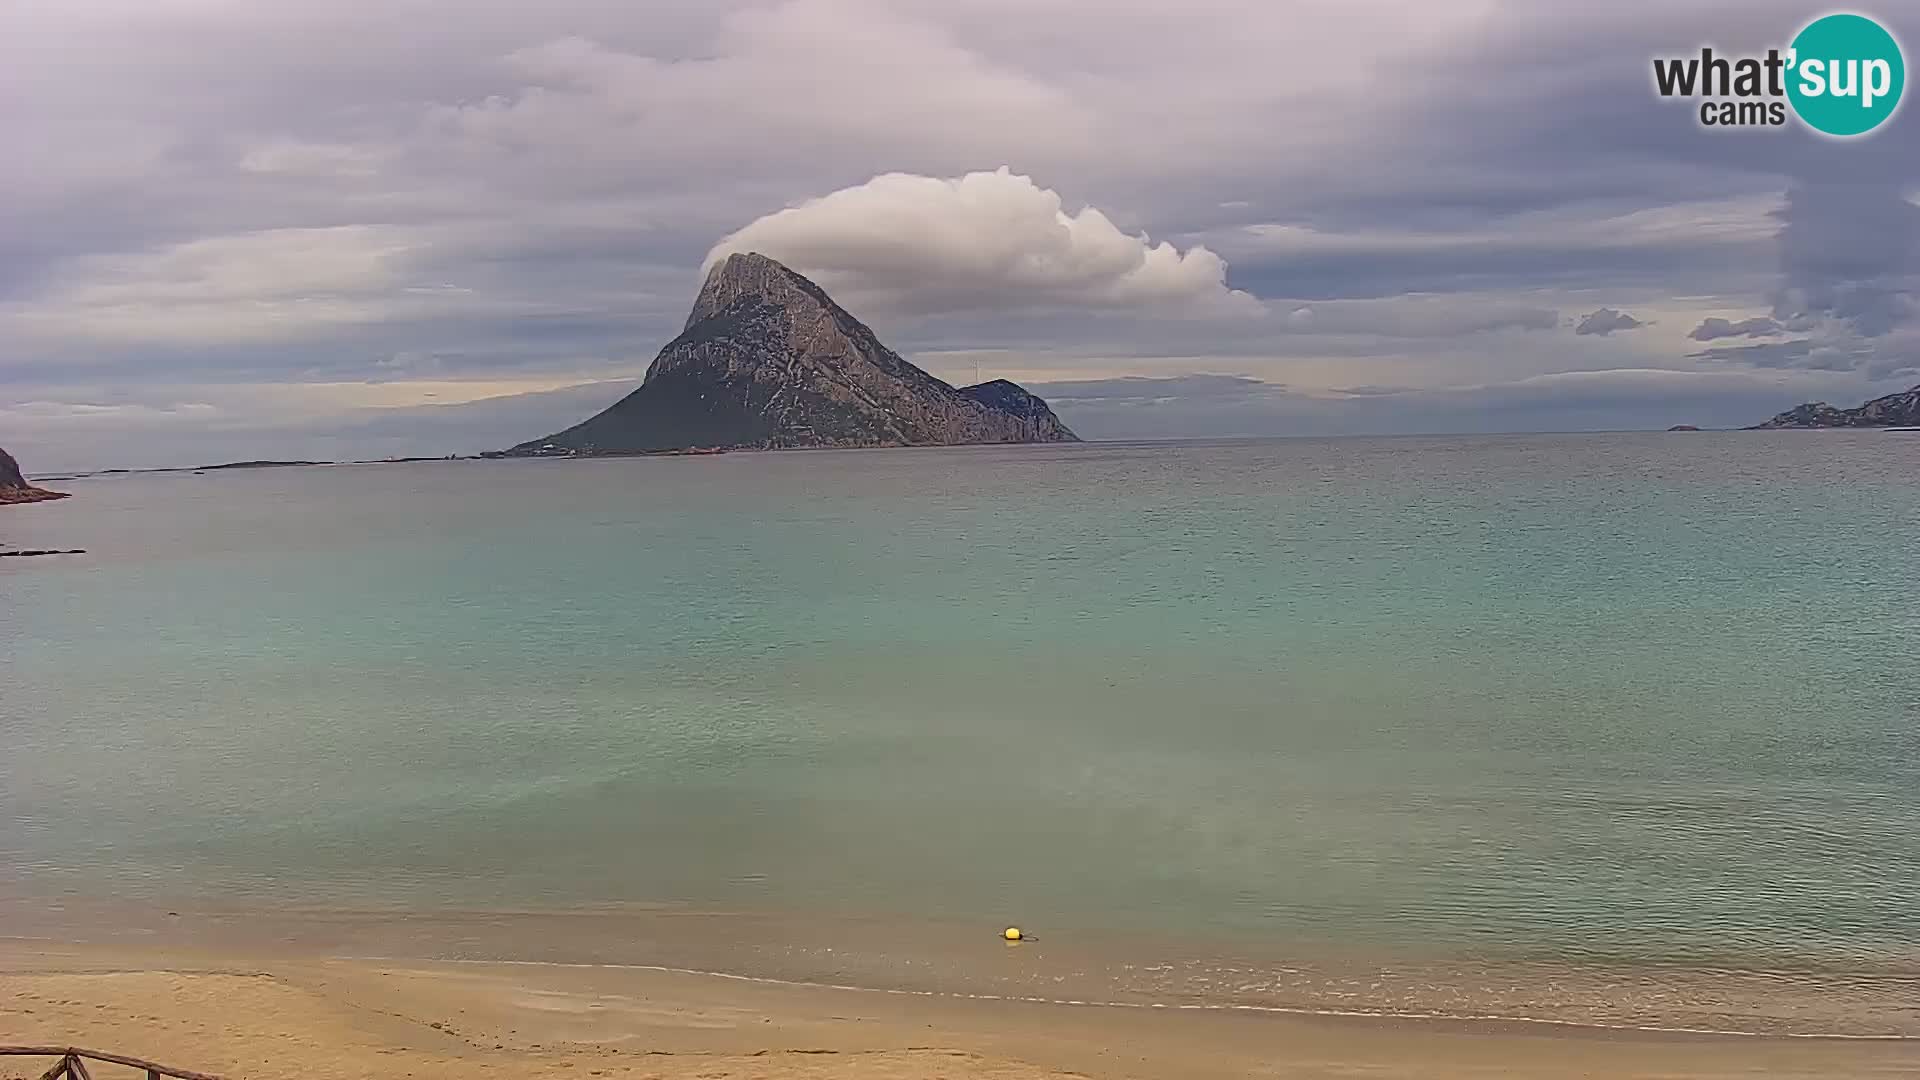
[(1013, 933)]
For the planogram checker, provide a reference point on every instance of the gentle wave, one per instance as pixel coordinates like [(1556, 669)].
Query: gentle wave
[(1290, 1010)]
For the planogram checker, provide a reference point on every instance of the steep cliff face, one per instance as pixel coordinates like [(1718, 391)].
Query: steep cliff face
[(1894, 410), (768, 360), (14, 487)]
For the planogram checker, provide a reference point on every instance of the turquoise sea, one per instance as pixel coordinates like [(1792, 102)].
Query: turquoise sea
[(1593, 728)]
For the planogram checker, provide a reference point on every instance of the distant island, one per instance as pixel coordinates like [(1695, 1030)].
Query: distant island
[(257, 465), (768, 361), (14, 488), (266, 463), (1892, 411)]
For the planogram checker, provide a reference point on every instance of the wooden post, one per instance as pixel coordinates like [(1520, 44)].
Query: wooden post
[(72, 1066)]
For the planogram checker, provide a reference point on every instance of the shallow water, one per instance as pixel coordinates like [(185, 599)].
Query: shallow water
[(1614, 714)]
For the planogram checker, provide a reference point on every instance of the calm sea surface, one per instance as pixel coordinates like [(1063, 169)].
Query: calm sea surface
[(1621, 728)]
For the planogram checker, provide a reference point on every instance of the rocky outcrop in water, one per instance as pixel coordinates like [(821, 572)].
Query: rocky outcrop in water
[(768, 361), (14, 487), (1894, 410)]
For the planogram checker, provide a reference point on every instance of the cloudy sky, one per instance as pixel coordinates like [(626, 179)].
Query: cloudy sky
[(353, 228)]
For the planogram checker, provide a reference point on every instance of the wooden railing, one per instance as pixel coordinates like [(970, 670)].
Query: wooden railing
[(73, 1063)]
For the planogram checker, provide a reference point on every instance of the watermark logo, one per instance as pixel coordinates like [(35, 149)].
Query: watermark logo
[(1850, 75), (1842, 75)]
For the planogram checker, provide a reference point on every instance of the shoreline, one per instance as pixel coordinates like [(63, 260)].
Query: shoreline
[(1452, 1020), (29, 495), (288, 1013), (944, 964)]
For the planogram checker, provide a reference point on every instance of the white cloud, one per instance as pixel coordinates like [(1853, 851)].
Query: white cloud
[(773, 85), (1744, 222), (270, 285), (250, 266), (292, 157), (1420, 316), (27, 413), (983, 240)]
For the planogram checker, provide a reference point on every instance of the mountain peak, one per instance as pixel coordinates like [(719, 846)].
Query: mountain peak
[(1894, 410), (767, 360), (751, 274)]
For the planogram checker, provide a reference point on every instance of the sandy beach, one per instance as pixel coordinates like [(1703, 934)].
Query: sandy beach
[(250, 1014)]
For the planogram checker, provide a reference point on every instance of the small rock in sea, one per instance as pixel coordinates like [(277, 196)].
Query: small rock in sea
[(14, 487)]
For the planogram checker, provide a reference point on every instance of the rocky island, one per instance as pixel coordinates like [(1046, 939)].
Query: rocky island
[(768, 361), (14, 487), (1894, 410)]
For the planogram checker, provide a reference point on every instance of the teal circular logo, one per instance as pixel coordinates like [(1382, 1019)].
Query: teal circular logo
[(1846, 74)]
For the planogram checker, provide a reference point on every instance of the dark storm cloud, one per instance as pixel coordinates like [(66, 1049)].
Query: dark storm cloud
[(1850, 251), (1605, 321), (1780, 354), (1499, 144), (1713, 328), (1901, 371), (1771, 354)]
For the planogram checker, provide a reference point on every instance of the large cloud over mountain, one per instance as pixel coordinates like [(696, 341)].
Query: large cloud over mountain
[(982, 240), (241, 220)]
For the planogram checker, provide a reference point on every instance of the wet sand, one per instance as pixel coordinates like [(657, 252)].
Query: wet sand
[(246, 1013)]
